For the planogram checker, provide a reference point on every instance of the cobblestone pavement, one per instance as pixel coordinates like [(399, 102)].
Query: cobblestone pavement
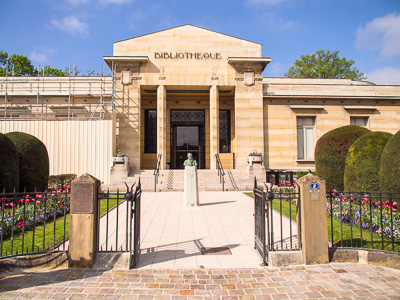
[(332, 281)]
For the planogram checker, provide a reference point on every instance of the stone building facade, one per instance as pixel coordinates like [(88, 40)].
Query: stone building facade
[(188, 89)]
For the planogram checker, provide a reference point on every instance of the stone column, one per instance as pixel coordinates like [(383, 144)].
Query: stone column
[(214, 125), (313, 224), (128, 109), (249, 123), (162, 124), (83, 231)]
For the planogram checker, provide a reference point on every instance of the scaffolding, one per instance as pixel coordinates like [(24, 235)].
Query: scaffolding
[(57, 98)]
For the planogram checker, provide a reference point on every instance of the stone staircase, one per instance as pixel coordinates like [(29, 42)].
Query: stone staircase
[(172, 180)]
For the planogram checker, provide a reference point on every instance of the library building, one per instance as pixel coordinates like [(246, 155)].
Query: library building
[(188, 90)]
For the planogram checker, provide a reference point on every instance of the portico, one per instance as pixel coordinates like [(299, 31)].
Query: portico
[(188, 89)]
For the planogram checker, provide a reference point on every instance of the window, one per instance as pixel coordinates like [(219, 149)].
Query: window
[(359, 121), (224, 131), (305, 137), (150, 131)]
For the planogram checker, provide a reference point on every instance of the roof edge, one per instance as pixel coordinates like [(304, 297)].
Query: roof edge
[(187, 25)]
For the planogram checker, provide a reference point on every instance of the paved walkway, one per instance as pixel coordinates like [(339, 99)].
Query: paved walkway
[(332, 281), (172, 235), (172, 267)]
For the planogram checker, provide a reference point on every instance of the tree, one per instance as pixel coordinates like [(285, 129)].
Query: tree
[(20, 65), (49, 71), (323, 64)]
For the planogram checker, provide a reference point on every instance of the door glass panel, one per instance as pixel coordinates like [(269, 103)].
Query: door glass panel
[(187, 141)]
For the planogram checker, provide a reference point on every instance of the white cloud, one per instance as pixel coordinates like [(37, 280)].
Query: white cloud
[(72, 25), (41, 54), (381, 34), (387, 75), (276, 69), (116, 1), (77, 2), (264, 2), (38, 57)]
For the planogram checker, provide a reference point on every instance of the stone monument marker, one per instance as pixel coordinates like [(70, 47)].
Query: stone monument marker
[(191, 186)]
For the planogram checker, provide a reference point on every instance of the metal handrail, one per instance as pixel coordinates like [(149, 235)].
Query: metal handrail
[(221, 172), (157, 172)]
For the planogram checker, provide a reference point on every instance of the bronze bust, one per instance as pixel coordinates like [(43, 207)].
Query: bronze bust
[(190, 162)]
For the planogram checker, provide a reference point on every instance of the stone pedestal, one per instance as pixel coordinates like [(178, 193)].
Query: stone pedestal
[(83, 222), (191, 186), (313, 222)]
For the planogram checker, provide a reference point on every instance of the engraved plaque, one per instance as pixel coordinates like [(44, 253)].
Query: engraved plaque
[(82, 198), (315, 195)]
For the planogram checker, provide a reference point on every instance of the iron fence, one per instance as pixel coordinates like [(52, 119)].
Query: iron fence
[(367, 220), (34, 222)]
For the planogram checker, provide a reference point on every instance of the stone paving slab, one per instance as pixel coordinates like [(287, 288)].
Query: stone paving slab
[(331, 281)]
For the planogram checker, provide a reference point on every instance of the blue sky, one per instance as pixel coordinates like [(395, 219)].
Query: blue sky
[(81, 32)]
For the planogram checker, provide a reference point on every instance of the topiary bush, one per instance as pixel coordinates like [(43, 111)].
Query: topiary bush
[(33, 161), (331, 151), (363, 159), (390, 165), (9, 165)]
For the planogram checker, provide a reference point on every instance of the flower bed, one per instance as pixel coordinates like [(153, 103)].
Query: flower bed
[(375, 212), (23, 211)]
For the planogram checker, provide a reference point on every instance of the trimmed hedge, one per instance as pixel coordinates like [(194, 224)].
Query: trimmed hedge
[(361, 172), (9, 165), (331, 151), (300, 174), (390, 165), (58, 181), (33, 161)]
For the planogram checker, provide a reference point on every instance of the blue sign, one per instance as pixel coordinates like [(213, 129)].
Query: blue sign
[(314, 185)]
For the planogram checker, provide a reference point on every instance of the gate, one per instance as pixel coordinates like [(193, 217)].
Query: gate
[(119, 222), (259, 222), (135, 213), (274, 229)]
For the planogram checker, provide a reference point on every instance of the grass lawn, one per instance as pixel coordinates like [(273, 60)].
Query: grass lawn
[(286, 207), (50, 239), (49, 230), (347, 231)]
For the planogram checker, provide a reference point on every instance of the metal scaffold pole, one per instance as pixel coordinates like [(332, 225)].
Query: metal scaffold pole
[(5, 98), (38, 91)]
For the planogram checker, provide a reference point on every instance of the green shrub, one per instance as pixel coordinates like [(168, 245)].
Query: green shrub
[(390, 165), (300, 174), (33, 161), (9, 165), (331, 151), (361, 172), (58, 181)]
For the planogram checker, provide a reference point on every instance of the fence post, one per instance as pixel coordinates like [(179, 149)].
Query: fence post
[(312, 213), (83, 222)]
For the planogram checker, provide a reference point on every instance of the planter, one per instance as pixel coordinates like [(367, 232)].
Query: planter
[(254, 159), (119, 159)]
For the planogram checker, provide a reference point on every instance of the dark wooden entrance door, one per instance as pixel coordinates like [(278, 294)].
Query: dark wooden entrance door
[(187, 136)]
